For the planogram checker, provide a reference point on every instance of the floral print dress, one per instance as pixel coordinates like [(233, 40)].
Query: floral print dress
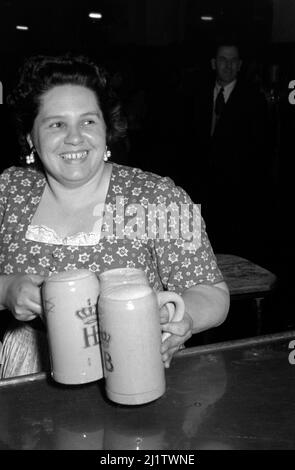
[(148, 223)]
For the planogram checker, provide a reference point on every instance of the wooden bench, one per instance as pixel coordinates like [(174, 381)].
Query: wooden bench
[(246, 279)]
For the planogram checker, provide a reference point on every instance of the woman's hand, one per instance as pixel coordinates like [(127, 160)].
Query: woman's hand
[(21, 295), (180, 331)]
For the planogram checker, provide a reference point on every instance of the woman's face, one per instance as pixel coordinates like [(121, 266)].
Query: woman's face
[(69, 134)]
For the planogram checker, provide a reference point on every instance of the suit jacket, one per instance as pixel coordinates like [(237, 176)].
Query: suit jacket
[(231, 182)]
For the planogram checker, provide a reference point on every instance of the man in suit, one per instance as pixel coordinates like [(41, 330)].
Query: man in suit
[(230, 147)]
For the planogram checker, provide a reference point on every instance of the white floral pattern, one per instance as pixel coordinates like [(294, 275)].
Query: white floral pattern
[(161, 258), (166, 262)]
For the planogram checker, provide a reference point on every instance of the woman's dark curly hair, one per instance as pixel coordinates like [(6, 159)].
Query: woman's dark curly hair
[(41, 73)]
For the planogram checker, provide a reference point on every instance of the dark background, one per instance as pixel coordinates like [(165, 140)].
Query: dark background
[(156, 50)]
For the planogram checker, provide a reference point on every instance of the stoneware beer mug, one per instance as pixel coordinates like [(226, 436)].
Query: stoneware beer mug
[(70, 309), (118, 276), (130, 333)]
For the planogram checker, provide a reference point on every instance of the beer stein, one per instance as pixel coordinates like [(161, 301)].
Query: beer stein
[(130, 332), (70, 311)]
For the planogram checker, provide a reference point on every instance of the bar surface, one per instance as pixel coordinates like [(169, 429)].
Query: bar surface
[(232, 395)]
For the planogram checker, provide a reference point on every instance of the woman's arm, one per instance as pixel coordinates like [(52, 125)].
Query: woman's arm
[(206, 306)]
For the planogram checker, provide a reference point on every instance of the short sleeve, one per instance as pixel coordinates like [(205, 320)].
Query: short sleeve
[(181, 246), (5, 183)]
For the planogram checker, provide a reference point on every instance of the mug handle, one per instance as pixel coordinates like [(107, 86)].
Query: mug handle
[(175, 306)]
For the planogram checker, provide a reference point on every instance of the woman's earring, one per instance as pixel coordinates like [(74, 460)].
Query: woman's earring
[(31, 157), (107, 154)]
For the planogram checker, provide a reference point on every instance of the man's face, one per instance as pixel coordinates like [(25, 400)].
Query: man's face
[(227, 64)]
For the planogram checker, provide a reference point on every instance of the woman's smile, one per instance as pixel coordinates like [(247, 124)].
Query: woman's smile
[(74, 156)]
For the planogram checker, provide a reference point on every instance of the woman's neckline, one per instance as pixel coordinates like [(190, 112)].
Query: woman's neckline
[(44, 230), (44, 234)]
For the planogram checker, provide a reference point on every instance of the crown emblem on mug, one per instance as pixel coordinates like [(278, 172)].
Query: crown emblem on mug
[(87, 314)]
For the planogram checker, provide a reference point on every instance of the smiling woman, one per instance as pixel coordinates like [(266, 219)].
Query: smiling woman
[(52, 212), (69, 135), (40, 74)]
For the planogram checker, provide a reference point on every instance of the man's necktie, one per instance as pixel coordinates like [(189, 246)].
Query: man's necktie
[(219, 103)]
